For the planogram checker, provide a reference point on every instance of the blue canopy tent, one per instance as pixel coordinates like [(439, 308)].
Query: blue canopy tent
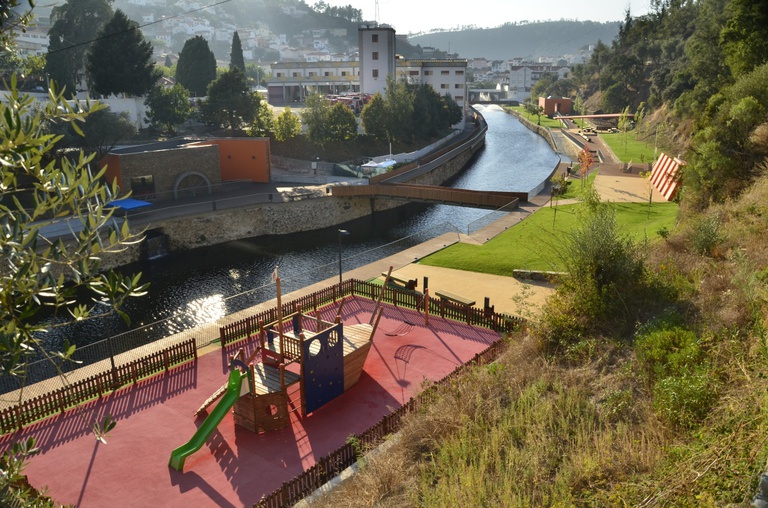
[(129, 204)]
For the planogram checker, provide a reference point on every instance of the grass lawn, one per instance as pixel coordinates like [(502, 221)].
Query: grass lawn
[(537, 242), (634, 151), (545, 121), (574, 188)]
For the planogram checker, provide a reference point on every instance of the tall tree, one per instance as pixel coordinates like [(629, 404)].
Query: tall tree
[(399, 100), (374, 117), (315, 117), (120, 59), (263, 122), (745, 36), (342, 124), (168, 107), (236, 59), (230, 103), (196, 67), (98, 134), (287, 125), (75, 24)]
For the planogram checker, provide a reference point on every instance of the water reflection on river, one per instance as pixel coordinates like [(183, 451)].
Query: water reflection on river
[(202, 285)]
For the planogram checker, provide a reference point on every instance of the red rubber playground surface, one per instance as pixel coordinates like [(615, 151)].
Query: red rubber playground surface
[(235, 467)]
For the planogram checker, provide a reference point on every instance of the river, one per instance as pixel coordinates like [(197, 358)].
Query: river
[(205, 284)]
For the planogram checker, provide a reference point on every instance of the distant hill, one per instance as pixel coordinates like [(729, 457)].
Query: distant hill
[(532, 40)]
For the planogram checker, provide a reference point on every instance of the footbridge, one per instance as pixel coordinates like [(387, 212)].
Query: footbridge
[(492, 200)]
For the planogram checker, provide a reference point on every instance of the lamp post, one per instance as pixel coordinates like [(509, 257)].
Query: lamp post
[(342, 232)]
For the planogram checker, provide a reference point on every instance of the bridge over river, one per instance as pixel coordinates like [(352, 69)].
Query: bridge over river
[(492, 200)]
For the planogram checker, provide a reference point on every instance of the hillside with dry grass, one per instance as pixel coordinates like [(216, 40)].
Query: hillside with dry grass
[(598, 404)]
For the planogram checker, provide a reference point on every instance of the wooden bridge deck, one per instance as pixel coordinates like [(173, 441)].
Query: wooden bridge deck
[(433, 194)]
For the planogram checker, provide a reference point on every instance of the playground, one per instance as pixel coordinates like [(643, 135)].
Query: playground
[(234, 466)]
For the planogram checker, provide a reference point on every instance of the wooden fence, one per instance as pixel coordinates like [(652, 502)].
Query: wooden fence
[(58, 401), (249, 326), (330, 466)]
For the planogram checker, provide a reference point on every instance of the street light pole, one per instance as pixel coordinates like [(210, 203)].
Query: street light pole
[(342, 232)]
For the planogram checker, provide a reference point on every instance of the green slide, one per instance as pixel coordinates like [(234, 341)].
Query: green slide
[(203, 433)]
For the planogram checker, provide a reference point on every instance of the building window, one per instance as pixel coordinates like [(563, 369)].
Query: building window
[(142, 186), (343, 73), (295, 74), (458, 98), (427, 73), (413, 73), (458, 85), (279, 74), (326, 73), (443, 85), (311, 74), (459, 73), (374, 37), (445, 73), (375, 55), (375, 73)]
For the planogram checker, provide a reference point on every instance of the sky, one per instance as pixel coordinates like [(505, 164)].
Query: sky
[(411, 16)]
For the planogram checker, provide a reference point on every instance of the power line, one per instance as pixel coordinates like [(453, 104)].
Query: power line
[(138, 27)]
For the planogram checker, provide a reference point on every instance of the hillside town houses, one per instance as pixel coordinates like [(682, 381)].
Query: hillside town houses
[(310, 62)]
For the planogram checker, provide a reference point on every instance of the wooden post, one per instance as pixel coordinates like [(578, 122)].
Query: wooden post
[(279, 309), (426, 306), (317, 314), (381, 295)]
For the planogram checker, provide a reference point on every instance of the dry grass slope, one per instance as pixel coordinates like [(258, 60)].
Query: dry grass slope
[(602, 425)]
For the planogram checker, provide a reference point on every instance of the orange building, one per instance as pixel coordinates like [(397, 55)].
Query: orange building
[(170, 170), (552, 105)]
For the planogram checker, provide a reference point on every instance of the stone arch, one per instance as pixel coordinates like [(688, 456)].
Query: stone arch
[(191, 182)]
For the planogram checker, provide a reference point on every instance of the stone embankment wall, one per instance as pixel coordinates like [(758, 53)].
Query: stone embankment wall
[(283, 218), (559, 143), (185, 233)]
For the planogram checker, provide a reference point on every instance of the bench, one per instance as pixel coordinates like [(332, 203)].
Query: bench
[(454, 298), (406, 283), (298, 195)]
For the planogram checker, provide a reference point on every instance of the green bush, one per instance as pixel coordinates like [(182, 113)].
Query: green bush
[(668, 352), (706, 235), (685, 400), (677, 370)]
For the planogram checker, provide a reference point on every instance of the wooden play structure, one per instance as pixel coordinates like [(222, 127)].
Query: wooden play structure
[(323, 358)]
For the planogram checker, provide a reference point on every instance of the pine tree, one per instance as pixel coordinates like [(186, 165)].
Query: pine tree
[(120, 60), (196, 67), (236, 59), (74, 24)]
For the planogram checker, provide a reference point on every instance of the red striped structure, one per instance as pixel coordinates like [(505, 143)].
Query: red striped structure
[(664, 176)]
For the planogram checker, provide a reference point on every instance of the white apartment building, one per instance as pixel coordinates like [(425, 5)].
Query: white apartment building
[(32, 42), (377, 56), (522, 77), (293, 81)]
